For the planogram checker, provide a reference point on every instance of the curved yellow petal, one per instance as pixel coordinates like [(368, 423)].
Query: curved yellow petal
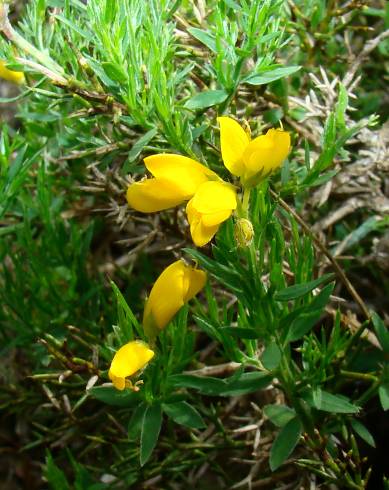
[(10, 75), (166, 296), (129, 359), (212, 197), (233, 142), (267, 152), (177, 284), (201, 234), (153, 195), (196, 280), (216, 218), (119, 383), (186, 174)]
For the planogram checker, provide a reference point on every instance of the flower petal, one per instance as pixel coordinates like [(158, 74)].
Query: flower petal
[(267, 152), (200, 233), (10, 75), (166, 296), (119, 383), (233, 142), (153, 195), (213, 197), (186, 174), (129, 359), (177, 284), (196, 281)]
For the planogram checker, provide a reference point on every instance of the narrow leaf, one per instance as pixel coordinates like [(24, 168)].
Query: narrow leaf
[(184, 414), (271, 75), (383, 393), (363, 432), (205, 99), (283, 445), (151, 427), (280, 415), (298, 290)]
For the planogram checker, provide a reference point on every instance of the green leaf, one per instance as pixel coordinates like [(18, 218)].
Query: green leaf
[(205, 99), (298, 290), (327, 402), (136, 420), (247, 383), (204, 37), (280, 415), (141, 143), (341, 106), (232, 386), (151, 427), (271, 75), (241, 333), (301, 325), (184, 414), (283, 445), (204, 384), (383, 393), (363, 432), (54, 475), (271, 356), (111, 396), (381, 331), (114, 72)]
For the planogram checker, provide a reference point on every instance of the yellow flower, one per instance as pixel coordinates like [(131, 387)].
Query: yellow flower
[(212, 204), (10, 75), (251, 159), (129, 359), (178, 179), (177, 284)]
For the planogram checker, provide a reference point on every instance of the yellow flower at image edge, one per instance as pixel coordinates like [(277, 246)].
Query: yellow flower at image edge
[(129, 359), (251, 159), (10, 75), (177, 285)]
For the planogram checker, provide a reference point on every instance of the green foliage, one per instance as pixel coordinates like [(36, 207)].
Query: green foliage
[(109, 82)]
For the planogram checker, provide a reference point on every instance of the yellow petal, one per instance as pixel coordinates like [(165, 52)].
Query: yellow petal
[(233, 142), (267, 152), (177, 284), (213, 197), (216, 218), (186, 174), (153, 195), (196, 280), (129, 359), (201, 234), (10, 75), (166, 296), (119, 383)]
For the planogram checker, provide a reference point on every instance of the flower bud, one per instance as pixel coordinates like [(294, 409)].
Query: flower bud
[(244, 232)]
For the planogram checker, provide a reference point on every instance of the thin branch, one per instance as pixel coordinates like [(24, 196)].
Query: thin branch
[(339, 271)]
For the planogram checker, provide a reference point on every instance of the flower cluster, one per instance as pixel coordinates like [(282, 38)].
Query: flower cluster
[(210, 201)]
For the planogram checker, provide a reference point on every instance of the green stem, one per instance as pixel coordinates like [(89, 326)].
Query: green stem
[(359, 376)]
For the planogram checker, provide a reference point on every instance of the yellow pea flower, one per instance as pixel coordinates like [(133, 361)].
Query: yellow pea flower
[(176, 179), (129, 359), (212, 204), (251, 159), (10, 75), (177, 284)]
